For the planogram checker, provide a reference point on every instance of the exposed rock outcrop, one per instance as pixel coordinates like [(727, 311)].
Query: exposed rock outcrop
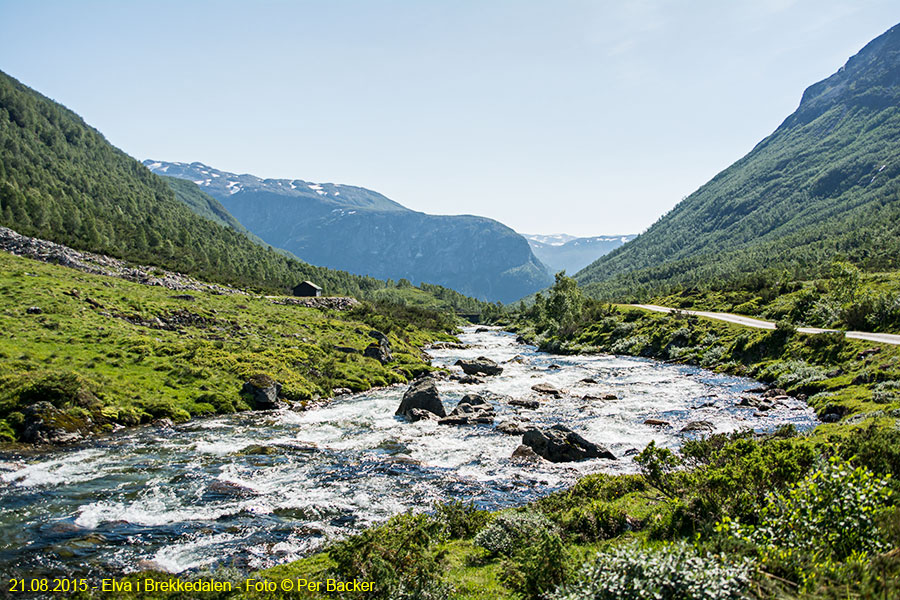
[(98, 264), (262, 392), (46, 424), (380, 349)]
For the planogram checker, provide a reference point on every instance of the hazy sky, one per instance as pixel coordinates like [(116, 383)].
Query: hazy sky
[(555, 116)]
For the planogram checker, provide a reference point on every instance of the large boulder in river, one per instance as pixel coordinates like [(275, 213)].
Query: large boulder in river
[(262, 392), (471, 410), (422, 394), (560, 444), (482, 364)]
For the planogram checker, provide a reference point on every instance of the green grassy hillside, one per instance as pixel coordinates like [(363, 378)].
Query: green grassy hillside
[(107, 351), (824, 185)]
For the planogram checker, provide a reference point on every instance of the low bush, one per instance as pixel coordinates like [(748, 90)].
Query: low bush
[(826, 523), (672, 572), (511, 530)]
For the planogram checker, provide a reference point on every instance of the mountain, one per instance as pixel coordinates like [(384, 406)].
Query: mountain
[(60, 180), (824, 185), (362, 231), (563, 252)]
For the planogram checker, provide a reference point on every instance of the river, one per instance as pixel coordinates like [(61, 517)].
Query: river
[(256, 489)]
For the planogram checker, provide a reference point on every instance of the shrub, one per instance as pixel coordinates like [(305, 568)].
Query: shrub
[(593, 521), (398, 556), (631, 345), (673, 572), (459, 520), (794, 374), (713, 356), (510, 530), (537, 567), (828, 518)]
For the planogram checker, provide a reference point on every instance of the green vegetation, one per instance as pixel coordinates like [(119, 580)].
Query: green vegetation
[(61, 180), (675, 532), (780, 515), (839, 376), (107, 351), (824, 185)]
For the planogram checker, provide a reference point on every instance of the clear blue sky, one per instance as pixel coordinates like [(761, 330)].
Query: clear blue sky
[(557, 116)]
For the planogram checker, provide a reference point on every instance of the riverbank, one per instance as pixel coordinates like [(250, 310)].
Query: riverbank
[(695, 495)]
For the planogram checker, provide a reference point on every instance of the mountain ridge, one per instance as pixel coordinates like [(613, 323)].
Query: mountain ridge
[(361, 231), (823, 186)]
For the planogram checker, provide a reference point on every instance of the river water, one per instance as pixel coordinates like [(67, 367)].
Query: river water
[(200, 495)]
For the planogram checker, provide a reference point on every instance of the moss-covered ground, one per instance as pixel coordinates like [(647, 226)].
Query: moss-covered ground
[(110, 352)]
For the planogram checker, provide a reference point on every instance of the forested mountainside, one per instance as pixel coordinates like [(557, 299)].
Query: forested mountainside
[(824, 185), (60, 180), (361, 231), (570, 253)]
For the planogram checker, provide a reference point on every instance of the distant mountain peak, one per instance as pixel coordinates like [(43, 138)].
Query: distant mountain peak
[(564, 252), (217, 183)]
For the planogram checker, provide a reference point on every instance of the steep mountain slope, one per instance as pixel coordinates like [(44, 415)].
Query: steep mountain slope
[(361, 231), (562, 252), (825, 184), (61, 180)]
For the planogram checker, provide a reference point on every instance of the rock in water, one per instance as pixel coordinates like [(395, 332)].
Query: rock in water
[(420, 414), (697, 426), (482, 364), (262, 391), (472, 409), (546, 388), (524, 453), (511, 428), (560, 444), (422, 394)]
